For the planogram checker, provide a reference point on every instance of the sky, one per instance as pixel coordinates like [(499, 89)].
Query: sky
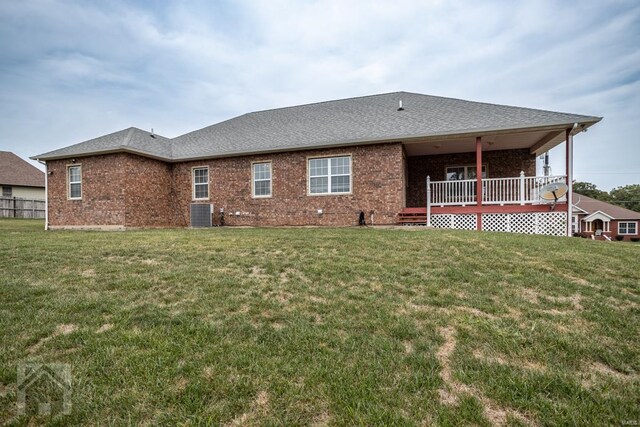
[(74, 70)]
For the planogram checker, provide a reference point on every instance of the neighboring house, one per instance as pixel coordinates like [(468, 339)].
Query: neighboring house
[(324, 164), (20, 179), (603, 220)]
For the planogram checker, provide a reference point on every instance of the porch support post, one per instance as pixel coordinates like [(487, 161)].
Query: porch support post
[(428, 201), (522, 194), (479, 182), (569, 159)]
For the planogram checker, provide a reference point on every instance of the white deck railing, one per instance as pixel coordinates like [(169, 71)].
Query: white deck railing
[(495, 191)]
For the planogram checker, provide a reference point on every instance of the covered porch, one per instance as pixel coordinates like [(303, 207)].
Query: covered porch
[(487, 182)]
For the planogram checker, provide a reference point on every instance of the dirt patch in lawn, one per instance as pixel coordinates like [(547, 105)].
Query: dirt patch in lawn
[(259, 406), (104, 328), (64, 329), (595, 372), (501, 360), (452, 390)]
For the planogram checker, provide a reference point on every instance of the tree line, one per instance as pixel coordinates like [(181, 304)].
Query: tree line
[(627, 196)]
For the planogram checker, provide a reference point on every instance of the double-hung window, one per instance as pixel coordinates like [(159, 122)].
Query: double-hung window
[(74, 177), (628, 227), (262, 179), (330, 175), (200, 183)]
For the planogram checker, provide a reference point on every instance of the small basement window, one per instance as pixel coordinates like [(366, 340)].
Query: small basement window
[(200, 183), (262, 179), (628, 228), (330, 175), (74, 174)]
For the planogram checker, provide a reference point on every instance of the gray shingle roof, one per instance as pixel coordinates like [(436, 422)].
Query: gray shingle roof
[(131, 139), (15, 171), (332, 123)]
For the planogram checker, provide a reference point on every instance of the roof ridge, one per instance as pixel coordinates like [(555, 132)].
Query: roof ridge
[(493, 104), (288, 107), (127, 139), (324, 102)]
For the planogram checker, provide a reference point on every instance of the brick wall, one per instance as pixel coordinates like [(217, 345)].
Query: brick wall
[(126, 190), (500, 164), (103, 192), (132, 191), (149, 200), (377, 175), (122, 190)]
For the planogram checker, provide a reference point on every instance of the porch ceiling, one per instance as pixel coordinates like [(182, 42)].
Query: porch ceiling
[(537, 142)]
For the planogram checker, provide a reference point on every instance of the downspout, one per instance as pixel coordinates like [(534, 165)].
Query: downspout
[(46, 194), (570, 179)]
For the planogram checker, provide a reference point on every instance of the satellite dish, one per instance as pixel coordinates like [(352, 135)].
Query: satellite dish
[(553, 191)]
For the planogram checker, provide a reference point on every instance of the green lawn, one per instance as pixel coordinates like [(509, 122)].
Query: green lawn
[(323, 326)]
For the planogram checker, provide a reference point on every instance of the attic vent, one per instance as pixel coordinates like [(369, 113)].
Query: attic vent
[(201, 214), (400, 106)]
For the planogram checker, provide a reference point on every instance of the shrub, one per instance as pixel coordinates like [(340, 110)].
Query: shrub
[(635, 239), (619, 238)]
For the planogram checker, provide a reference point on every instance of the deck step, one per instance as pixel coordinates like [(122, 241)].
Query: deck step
[(412, 216)]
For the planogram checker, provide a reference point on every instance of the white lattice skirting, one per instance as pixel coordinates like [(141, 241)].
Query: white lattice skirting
[(457, 221), (550, 223)]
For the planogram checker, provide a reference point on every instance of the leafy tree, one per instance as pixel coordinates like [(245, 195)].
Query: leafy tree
[(627, 196), (590, 190)]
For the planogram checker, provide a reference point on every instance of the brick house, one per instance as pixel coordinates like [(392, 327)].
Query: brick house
[(323, 164), (602, 220)]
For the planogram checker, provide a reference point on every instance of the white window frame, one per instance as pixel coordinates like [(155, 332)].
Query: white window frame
[(254, 180), (466, 170), (193, 182), (69, 182), (626, 233), (576, 224), (329, 176)]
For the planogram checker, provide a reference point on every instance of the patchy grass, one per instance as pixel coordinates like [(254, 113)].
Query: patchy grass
[(323, 326)]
